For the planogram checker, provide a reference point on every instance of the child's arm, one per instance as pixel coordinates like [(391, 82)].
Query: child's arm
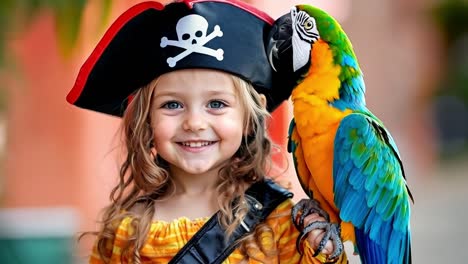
[(114, 248), (95, 257)]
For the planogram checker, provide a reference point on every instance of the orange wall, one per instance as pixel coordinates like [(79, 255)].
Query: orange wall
[(39, 126)]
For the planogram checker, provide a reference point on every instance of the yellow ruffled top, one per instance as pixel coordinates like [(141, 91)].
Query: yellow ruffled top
[(165, 239)]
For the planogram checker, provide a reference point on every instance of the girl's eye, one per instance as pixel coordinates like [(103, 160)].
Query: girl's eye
[(216, 104), (172, 105)]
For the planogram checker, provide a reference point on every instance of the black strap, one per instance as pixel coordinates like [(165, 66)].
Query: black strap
[(209, 246)]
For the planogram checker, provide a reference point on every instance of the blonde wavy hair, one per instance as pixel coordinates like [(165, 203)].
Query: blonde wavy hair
[(142, 179)]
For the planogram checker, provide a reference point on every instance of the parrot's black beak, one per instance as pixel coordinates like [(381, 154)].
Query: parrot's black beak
[(280, 45), (280, 55)]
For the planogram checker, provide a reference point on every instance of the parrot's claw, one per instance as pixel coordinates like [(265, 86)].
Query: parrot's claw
[(332, 233), (304, 208)]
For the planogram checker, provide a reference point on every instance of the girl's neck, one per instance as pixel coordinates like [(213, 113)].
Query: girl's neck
[(192, 196), (186, 200), (191, 184)]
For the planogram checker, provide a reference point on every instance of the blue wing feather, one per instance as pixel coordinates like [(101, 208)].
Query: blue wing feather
[(370, 190)]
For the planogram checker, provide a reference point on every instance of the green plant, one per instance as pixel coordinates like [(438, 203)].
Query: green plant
[(451, 100), (452, 18), (17, 15)]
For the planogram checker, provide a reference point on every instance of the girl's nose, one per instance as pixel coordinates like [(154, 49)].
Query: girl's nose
[(194, 121)]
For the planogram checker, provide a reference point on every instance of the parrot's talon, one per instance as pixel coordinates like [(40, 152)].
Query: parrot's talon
[(323, 242), (304, 208), (307, 229), (332, 232), (335, 235)]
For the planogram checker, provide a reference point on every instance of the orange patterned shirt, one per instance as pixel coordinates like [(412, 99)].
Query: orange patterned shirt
[(165, 239)]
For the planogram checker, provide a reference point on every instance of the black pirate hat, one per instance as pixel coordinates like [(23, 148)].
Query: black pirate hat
[(151, 39)]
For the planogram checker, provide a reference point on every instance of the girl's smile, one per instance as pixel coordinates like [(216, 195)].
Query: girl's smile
[(196, 146)]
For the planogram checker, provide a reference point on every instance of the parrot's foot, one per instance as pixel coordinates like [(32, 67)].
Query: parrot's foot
[(332, 233), (306, 207)]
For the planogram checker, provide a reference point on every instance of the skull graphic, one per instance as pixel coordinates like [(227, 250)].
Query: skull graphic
[(192, 36)]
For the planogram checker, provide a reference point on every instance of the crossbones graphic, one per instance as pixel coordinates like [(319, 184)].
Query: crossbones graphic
[(191, 34)]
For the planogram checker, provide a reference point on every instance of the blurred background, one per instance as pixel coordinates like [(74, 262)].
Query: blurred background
[(58, 163)]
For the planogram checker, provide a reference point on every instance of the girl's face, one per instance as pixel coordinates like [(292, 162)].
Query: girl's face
[(197, 120)]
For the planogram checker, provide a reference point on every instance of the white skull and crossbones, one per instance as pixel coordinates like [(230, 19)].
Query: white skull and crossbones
[(191, 34)]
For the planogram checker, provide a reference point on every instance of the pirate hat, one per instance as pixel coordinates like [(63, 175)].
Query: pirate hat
[(151, 39)]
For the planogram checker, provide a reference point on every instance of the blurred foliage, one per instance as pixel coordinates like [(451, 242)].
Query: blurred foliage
[(452, 18), (451, 100), (17, 15)]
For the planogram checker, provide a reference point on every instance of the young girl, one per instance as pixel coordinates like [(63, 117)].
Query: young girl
[(193, 84)]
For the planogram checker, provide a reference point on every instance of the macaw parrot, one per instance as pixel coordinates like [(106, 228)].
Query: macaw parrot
[(345, 158)]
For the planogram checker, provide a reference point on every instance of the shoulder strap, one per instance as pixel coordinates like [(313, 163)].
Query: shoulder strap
[(209, 245)]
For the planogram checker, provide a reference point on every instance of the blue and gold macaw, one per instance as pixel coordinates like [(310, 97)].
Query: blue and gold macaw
[(344, 157)]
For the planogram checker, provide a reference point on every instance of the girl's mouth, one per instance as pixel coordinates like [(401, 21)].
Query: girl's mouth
[(196, 144)]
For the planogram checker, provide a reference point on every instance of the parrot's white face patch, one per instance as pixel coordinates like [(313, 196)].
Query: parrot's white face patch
[(192, 36), (304, 34)]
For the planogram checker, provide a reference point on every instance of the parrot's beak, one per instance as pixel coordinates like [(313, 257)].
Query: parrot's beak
[(280, 45)]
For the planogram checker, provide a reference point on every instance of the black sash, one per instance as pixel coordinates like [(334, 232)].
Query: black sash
[(209, 246)]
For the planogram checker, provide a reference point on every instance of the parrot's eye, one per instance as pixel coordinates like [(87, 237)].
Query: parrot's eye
[(308, 24)]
